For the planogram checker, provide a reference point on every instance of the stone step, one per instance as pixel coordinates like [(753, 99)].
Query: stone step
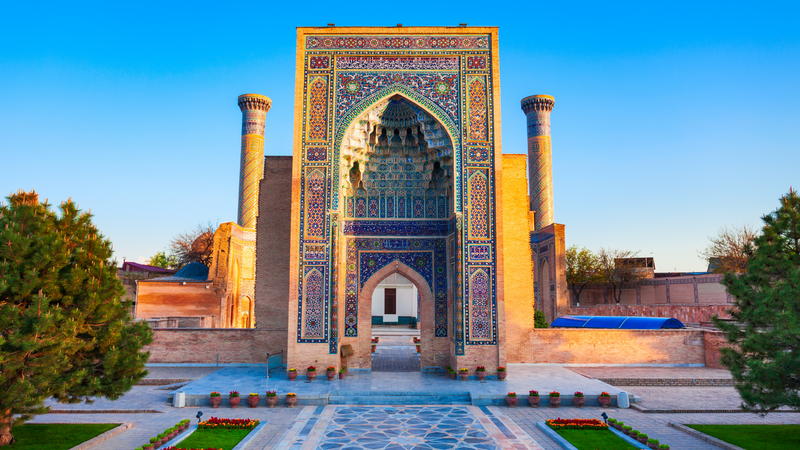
[(399, 398)]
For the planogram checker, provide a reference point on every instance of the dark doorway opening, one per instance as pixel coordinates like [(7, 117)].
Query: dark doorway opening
[(390, 301)]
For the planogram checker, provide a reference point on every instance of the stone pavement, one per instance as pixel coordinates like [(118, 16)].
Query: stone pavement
[(405, 427), (395, 358), (651, 372), (521, 379), (178, 372), (137, 399), (449, 425)]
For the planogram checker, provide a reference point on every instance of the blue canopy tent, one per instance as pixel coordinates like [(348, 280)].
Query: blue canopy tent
[(619, 322)]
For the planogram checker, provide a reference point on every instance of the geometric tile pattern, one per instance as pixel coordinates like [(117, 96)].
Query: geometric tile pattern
[(313, 299), (405, 427), (396, 228), (318, 109), (476, 62), (396, 428), (367, 256), (477, 110), (315, 189), (440, 88), (411, 42), (480, 324), (478, 209), (448, 79)]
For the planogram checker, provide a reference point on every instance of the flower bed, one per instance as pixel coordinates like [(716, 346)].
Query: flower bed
[(229, 424), (166, 436), (218, 434), (181, 448), (576, 424)]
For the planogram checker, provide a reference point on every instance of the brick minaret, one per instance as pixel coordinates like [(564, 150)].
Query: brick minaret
[(537, 109), (254, 113)]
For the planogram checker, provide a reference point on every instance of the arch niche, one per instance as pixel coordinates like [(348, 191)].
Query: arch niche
[(396, 190), (434, 352)]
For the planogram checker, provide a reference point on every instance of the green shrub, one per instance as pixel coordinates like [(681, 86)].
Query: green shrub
[(539, 320), (652, 441), (642, 436)]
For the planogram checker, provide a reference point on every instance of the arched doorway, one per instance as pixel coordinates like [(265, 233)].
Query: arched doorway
[(434, 351), (396, 202)]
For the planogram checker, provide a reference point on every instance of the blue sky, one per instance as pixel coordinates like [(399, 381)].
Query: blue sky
[(672, 119)]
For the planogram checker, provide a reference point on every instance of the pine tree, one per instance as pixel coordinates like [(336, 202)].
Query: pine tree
[(64, 331), (764, 359)]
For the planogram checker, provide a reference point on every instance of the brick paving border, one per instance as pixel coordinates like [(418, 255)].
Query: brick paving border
[(710, 439), (162, 381), (644, 410), (107, 435), (104, 411), (715, 382)]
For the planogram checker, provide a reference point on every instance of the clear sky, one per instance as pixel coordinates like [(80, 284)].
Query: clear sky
[(672, 119)]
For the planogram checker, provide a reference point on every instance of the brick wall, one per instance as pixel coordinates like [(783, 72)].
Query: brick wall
[(684, 313), (272, 245), (672, 290), (517, 263), (599, 346), (202, 345), (163, 299), (714, 340)]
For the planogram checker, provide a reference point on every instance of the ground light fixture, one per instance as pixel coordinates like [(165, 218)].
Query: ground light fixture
[(200, 414), (605, 417)]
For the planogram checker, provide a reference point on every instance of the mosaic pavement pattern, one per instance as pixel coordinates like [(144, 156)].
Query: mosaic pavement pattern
[(411, 427)]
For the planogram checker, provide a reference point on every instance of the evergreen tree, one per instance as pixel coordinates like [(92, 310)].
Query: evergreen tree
[(64, 331), (764, 359)]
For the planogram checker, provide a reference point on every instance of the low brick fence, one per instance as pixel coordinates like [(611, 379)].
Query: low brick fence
[(634, 347), (205, 345), (668, 381)]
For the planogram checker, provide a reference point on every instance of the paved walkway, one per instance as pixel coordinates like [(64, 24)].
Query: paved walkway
[(652, 372), (406, 427), (181, 372), (395, 358), (417, 427), (521, 379)]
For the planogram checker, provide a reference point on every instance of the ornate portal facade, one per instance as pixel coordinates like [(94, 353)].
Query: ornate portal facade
[(397, 168)]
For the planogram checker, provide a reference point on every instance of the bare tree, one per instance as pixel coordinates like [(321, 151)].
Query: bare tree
[(582, 269), (195, 245), (615, 272), (730, 249)]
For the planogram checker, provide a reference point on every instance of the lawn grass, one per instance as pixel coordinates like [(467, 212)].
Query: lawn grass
[(37, 436), (214, 438), (755, 437), (595, 440)]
